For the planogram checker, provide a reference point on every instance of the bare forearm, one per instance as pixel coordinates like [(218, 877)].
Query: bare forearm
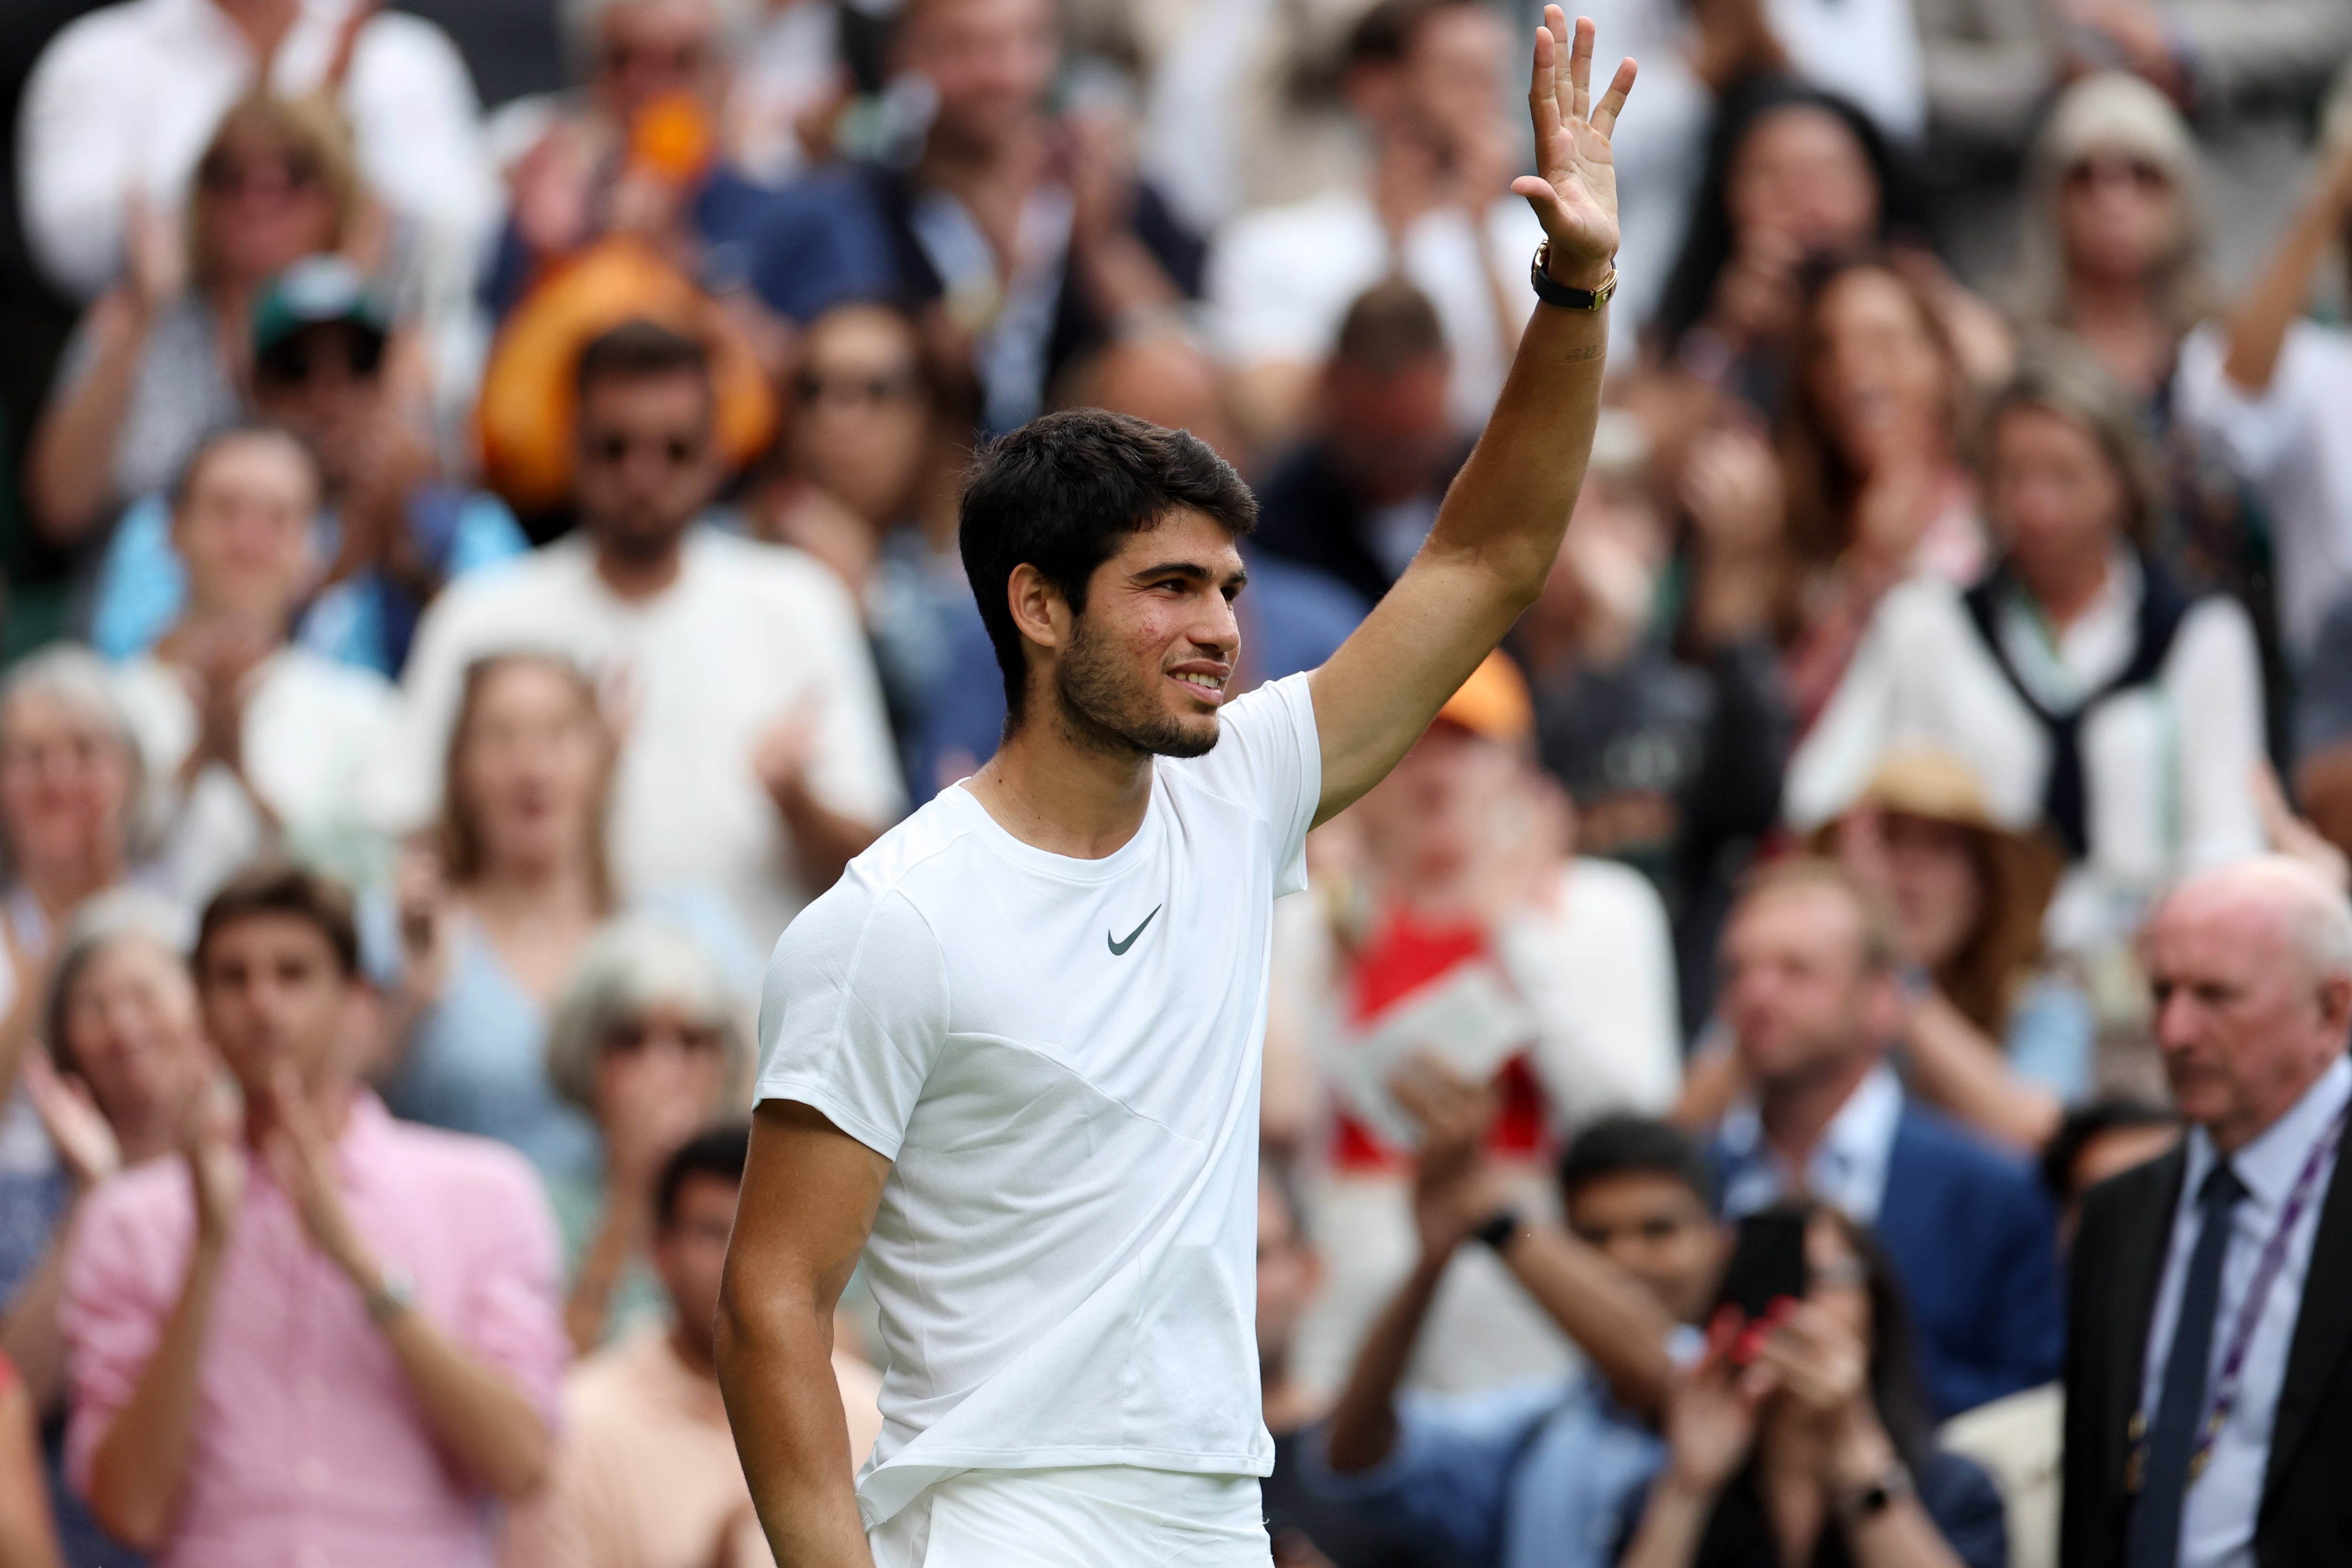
[(775, 1367), (1364, 1424), (33, 1336), (135, 1474), (824, 841), (2258, 327), (1508, 508), (1671, 1525), (69, 467), (1121, 277), (27, 1540), (1615, 1322), (476, 1411), (1953, 1065)]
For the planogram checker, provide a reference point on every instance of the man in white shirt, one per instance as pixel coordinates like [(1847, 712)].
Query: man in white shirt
[(755, 757), (1018, 1044), (1426, 79), (121, 102)]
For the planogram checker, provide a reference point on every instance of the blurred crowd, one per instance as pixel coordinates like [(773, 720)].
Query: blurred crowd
[(478, 519)]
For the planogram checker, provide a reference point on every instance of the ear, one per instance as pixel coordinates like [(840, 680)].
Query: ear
[(2335, 1007), (1039, 611)]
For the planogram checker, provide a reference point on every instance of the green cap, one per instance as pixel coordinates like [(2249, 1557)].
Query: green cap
[(314, 291)]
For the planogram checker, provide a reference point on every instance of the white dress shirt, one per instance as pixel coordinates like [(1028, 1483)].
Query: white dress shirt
[(2217, 1518), (2164, 765), (1847, 1169), (124, 100)]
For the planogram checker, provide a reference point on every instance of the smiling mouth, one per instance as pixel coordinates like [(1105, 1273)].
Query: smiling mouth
[(1208, 688)]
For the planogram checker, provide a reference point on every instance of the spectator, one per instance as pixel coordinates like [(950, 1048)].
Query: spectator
[(2017, 1437), (73, 823), (2265, 387), (130, 1064), (2117, 256), (1308, 1527), (1022, 237), (1357, 498), (647, 1476), (864, 488), (1793, 178), (1993, 1039), (2093, 693), (1874, 486), (647, 1040), (1428, 81), (1471, 892), (1547, 1472), (261, 743), (1812, 1446), (159, 360), (2322, 726), (1673, 762), (389, 531), (641, 147), (336, 1336), (126, 1066), (1812, 997), (2249, 71), (27, 1540), (2239, 1229), (495, 913), (115, 117), (758, 757)]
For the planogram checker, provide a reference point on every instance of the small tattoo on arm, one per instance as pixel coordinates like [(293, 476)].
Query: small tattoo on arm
[(1578, 356)]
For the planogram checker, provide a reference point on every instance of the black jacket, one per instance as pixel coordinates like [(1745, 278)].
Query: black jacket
[(2306, 1517)]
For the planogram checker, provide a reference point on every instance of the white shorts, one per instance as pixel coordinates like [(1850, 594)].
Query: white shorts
[(1084, 1518)]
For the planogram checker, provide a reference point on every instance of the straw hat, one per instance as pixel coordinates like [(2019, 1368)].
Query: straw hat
[(1941, 786)]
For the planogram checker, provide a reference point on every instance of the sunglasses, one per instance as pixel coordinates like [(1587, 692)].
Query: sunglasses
[(2136, 172), (223, 175), (895, 386), (301, 357)]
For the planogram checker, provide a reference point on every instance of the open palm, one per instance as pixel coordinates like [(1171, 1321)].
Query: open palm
[(1574, 190)]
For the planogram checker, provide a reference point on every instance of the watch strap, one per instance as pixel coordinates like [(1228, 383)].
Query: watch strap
[(395, 1295), (1551, 291), (1874, 1498), (1497, 1231)]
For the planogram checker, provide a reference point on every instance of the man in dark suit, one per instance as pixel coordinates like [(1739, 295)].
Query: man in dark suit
[(2209, 1391), (1813, 992)]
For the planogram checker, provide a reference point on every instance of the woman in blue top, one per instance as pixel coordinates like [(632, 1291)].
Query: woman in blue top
[(496, 914)]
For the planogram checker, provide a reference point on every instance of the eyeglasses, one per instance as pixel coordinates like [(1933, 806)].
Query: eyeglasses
[(303, 356), (2138, 172), (613, 448), (891, 386), (676, 60), (225, 175)]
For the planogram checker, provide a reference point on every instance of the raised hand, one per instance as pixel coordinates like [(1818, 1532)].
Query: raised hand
[(70, 1116), (1574, 190), (1711, 1412), (301, 1156)]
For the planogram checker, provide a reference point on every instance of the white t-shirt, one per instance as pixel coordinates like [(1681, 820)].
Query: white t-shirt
[(1280, 282), (1061, 1057), (2287, 440), (316, 736), (749, 635)]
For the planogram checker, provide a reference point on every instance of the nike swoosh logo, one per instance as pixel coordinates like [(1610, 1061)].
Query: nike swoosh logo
[(1119, 949)]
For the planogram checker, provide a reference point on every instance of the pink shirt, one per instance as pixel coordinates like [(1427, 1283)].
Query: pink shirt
[(310, 1450)]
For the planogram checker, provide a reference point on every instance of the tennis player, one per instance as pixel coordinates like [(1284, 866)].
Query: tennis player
[(1012, 1057)]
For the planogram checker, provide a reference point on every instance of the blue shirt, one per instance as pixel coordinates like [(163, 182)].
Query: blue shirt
[(1549, 1474)]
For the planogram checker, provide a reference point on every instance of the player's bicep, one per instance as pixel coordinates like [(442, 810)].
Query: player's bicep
[(810, 1193), (1375, 697)]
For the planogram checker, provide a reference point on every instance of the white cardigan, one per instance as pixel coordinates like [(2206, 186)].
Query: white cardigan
[(2166, 766)]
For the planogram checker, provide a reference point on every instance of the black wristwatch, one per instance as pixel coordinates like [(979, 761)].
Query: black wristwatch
[(1551, 291), (1872, 1498), (1497, 1231)]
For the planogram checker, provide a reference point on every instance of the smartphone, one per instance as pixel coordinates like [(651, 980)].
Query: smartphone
[(1767, 1263)]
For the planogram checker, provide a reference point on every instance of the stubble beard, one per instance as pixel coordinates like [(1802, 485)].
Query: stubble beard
[(1100, 706)]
